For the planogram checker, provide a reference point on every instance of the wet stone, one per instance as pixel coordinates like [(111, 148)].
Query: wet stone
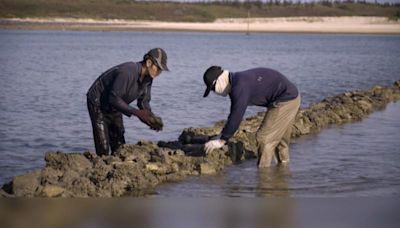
[(169, 152), (157, 167), (207, 169), (59, 160), (50, 175), (109, 160), (52, 191), (135, 153), (26, 184)]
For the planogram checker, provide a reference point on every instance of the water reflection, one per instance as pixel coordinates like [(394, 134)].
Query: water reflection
[(273, 181), (204, 212), (254, 182), (130, 212)]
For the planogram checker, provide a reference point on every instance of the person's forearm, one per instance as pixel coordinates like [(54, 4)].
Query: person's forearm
[(122, 106)]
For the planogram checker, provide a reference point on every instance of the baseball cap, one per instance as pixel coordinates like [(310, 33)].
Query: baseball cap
[(210, 77), (160, 57)]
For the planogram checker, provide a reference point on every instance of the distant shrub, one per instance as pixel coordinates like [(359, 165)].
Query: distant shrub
[(326, 3), (343, 7), (396, 16)]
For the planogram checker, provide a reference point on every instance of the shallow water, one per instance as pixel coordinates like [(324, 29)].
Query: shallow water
[(44, 77), (357, 159)]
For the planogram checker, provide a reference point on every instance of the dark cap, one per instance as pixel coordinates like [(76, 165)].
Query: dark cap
[(210, 77), (159, 55)]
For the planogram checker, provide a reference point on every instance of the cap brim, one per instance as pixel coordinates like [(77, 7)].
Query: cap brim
[(164, 67), (207, 91)]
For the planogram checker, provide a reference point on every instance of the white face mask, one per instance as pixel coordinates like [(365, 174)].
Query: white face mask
[(222, 85)]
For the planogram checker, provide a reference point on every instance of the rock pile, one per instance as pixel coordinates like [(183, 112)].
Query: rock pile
[(136, 169)]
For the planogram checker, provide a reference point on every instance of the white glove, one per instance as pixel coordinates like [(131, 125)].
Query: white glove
[(213, 144)]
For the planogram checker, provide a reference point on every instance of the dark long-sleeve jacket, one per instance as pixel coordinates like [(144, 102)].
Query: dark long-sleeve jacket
[(116, 88), (258, 86)]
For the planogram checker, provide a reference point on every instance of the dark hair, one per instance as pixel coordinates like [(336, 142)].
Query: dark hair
[(145, 57)]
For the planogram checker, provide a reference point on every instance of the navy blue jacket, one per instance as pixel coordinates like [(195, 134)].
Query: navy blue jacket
[(258, 86), (120, 85)]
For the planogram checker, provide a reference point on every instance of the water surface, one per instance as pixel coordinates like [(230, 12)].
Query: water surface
[(357, 159), (45, 75)]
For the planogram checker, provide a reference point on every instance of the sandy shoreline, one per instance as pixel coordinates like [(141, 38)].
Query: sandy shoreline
[(363, 25)]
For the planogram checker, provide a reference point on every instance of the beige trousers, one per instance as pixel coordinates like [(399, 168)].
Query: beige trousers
[(273, 136)]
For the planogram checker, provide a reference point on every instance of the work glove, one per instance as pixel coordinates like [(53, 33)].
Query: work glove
[(143, 115), (213, 144)]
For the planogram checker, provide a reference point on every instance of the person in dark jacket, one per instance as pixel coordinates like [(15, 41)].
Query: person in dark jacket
[(261, 87), (112, 92)]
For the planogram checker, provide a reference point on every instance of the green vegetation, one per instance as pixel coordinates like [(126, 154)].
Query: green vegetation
[(396, 16), (188, 12)]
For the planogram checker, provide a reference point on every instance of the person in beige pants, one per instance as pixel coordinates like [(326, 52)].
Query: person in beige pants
[(261, 87), (273, 136)]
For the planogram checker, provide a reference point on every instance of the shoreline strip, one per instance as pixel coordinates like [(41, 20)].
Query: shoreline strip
[(345, 25)]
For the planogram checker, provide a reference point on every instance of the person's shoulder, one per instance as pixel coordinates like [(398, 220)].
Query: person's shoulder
[(238, 78), (245, 75), (266, 71), (263, 70), (128, 67), (253, 71), (129, 64), (239, 82)]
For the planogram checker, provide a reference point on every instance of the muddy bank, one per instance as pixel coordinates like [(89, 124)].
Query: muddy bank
[(136, 169)]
